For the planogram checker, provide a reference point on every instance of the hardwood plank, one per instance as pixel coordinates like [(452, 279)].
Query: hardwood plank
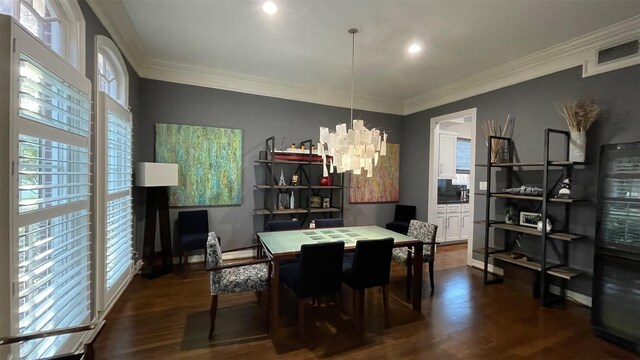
[(167, 318)]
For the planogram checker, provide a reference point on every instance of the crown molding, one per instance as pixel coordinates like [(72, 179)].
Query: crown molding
[(207, 77), (114, 17), (576, 52), (580, 51)]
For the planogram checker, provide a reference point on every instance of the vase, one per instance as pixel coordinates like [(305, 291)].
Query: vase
[(577, 146), (539, 225)]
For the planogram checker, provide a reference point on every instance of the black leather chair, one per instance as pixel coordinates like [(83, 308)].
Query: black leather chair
[(370, 266), (193, 229), (317, 273), (329, 223), (282, 225), (401, 218)]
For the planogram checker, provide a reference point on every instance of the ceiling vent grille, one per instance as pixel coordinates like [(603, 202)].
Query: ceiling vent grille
[(618, 52)]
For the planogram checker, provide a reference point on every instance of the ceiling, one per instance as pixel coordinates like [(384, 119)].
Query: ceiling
[(303, 52)]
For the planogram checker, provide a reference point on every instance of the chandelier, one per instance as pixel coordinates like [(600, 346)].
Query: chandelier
[(351, 149)]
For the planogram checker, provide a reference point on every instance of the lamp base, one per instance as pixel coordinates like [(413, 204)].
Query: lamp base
[(152, 272)]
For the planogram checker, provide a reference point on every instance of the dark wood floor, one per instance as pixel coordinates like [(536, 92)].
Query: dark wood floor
[(167, 318)]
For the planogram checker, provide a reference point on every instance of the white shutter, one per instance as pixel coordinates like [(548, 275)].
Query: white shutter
[(118, 183), (53, 244)]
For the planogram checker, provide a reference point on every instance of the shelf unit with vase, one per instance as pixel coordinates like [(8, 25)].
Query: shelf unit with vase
[(553, 257), (308, 169)]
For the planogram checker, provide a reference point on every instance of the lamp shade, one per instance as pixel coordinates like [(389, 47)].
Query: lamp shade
[(150, 174)]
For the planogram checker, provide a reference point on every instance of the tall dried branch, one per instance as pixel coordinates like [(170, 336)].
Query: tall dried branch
[(579, 116)]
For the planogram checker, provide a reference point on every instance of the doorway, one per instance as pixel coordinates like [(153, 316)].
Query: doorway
[(452, 177)]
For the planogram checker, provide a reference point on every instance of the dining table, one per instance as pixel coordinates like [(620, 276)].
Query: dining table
[(284, 245)]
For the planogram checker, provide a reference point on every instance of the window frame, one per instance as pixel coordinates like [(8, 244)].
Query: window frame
[(105, 103), (72, 27), (27, 44)]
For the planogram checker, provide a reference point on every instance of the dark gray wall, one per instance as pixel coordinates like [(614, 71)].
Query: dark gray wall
[(533, 104), (94, 27), (259, 117)]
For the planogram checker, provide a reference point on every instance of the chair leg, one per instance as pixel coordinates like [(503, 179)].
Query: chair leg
[(431, 274), (259, 297), (301, 319), (409, 278), (213, 313), (358, 309), (385, 303)]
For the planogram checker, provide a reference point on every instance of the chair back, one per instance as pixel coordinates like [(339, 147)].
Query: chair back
[(321, 268), (371, 263), (193, 222), (329, 223), (425, 232), (282, 225), (404, 213), (214, 253)]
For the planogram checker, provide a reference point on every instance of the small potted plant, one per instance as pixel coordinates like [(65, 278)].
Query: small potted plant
[(510, 214)]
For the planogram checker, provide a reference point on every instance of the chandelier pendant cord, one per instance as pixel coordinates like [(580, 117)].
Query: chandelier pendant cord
[(353, 32)]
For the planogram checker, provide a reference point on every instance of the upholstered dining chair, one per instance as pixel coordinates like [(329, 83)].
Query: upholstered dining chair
[(329, 223), (241, 276), (317, 273), (402, 216), (193, 229), (370, 266), (425, 232), (283, 225)]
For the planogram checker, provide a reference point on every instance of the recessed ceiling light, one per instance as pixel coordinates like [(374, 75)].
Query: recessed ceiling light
[(269, 7), (415, 48)]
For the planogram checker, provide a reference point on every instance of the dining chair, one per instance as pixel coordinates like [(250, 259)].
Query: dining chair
[(329, 223), (425, 232), (368, 267), (317, 273), (239, 276), (193, 230), (402, 216), (283, 225)]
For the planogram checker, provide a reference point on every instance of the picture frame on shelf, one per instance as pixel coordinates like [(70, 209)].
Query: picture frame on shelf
[(326, 202), (315, 201), (529, 219)]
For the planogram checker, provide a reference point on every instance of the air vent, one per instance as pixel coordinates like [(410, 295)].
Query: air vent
[(618, 52)]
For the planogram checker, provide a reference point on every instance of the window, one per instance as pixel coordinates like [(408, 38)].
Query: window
[(114, 208), (53, 226), (463, 156), (58, 23)]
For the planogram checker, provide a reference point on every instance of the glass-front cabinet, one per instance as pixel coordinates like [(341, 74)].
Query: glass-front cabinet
[(616, 283)]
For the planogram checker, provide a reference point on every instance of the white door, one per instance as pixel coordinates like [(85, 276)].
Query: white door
[(447, 156)]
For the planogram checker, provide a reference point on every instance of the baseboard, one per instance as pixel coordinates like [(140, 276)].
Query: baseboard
[(572, 295), (242, 254)]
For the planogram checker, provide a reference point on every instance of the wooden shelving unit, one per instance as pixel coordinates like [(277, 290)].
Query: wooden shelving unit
[(308, 171), (548, 238)]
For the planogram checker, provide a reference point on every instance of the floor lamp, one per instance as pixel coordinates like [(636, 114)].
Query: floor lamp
[(156, 177)]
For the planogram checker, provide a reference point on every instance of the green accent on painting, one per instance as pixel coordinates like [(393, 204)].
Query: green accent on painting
[(209, 161)]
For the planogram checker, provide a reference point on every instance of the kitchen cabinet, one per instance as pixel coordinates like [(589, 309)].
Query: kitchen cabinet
[(465, 223), (450, 219), (446, 156)]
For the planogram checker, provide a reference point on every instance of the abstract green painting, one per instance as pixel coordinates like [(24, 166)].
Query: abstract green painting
[(209, 163)]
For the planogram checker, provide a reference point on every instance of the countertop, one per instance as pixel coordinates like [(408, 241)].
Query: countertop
[(453, 201)]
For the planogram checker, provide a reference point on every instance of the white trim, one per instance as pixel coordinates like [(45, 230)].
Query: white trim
[(7, 155), (563, 56), (113, 15), (112, 54), (432, 192), (75, 42), (591, 66), (577, 297), (207, 77)]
